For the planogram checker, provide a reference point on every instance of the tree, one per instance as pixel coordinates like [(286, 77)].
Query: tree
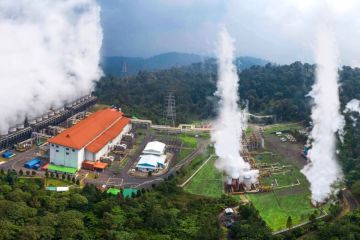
[(47, 174), (63, 176), (52, 175), (27, 172), (289, 222), (77, 182), (33, 173), (68, 178), (78, 201), (356, 188), (21, 172)]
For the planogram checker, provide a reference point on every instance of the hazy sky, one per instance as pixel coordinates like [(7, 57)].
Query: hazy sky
[(278, 30)]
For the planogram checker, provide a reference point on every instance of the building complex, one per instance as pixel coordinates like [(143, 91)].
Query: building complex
[(89, 140)]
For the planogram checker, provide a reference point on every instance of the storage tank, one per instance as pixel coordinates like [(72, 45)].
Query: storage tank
[(32, 121), (69, 105), (39, 119), (12, 130), (247, 182)]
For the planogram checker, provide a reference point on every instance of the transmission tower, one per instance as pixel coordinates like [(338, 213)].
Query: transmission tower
[(170, 109), (124, 68), (124, 71)]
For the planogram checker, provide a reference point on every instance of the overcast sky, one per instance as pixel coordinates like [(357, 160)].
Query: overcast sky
[(281, 31)]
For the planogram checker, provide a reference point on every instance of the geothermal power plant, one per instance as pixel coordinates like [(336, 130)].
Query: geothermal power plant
[(53, 117)]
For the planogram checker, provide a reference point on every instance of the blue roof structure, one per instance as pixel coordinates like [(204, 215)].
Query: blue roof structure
[(31, 163)]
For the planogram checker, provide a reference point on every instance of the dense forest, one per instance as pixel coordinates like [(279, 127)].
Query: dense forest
[(270, 89), (164, 212), (28, 211)]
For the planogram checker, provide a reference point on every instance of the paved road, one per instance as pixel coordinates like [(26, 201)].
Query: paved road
[(18, 161), (123, 178)]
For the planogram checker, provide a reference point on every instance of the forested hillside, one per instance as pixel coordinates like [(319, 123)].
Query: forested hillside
[(272, 89), (125, 66)]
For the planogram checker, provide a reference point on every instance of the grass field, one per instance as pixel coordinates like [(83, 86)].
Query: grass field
[(207, 182), (283, 174), (276, 207), (189, 141), (57, 182), (282, 127)]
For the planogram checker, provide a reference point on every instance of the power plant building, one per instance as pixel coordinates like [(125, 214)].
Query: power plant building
[(153, 157), (90, 139)]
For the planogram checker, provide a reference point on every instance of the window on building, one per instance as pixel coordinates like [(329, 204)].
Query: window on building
[(73, 150), (67, 153), (67, 148), (52, 145), (57, 150), (57, 146)]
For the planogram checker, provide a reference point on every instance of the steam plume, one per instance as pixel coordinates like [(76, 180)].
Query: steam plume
[(50, 52), (352, 106), (227, 129), (323, 170)]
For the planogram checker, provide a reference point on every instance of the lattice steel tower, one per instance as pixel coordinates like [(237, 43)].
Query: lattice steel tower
[(170, 109)]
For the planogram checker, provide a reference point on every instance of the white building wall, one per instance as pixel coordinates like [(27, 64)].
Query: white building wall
[(89, 156), (106, 149), (102, 152), (64, 156)]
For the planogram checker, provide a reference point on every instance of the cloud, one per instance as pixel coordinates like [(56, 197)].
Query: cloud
[(50, 52), (279, 30)]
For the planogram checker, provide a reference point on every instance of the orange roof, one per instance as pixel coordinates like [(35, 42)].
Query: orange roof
[(100, 165), (107, 136), (88, 130)]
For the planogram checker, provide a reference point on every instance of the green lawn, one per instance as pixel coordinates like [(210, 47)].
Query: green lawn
[(288, 175), (248, 132), (282, 127), (276, 207), (57, 182), (207, 182), (189, 141)]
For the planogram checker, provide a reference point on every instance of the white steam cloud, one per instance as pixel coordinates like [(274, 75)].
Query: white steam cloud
[(352, 106), (227, 129), (323, 170), (49, 54)]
